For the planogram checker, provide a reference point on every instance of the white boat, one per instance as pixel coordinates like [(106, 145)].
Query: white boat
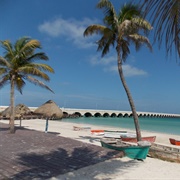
[(118, 134)]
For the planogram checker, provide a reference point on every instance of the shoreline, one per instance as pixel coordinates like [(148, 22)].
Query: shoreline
[(160, 136), (116, 169), (154, 125), (39, 124)]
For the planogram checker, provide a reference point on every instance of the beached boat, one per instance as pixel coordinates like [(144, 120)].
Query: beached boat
[(115, 131), (174, 142), (103, 130), (108, 133), (118, 135), (97, 130), (77, 128), (133, 151), (134, 139)]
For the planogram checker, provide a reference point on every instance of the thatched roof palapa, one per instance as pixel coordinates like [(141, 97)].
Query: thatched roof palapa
[(49, 110), (20, 110)]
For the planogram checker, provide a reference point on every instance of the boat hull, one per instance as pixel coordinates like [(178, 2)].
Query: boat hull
[(97, 130), (117, 135), (108, 131), (134, 139), (174, 142), (133, 152)]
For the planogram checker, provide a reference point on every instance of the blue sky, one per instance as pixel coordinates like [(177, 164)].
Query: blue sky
[(82, 78)]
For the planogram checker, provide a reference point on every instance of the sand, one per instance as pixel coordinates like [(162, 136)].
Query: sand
[(116, 169)]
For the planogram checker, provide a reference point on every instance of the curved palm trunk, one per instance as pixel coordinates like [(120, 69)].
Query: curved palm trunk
[(11, 122), (135, 116)]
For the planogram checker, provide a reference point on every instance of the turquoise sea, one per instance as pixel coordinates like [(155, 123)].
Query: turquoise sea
[(162, 125)]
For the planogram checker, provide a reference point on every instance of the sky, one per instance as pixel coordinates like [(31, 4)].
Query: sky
[(82, 78)]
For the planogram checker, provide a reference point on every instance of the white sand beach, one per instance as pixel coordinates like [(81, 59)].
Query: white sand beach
[(116, 169)]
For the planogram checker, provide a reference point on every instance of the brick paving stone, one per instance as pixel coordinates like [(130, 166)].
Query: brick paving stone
[(30, 154)]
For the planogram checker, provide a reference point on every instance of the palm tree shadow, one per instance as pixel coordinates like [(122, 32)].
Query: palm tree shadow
[(4, 128), (59, 162), (7, 128)]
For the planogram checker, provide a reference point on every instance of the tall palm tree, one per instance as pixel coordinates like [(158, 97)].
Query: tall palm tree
[(165, 17), (120, 30), (18, 65)]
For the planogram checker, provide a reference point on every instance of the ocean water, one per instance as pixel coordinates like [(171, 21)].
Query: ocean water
[(162, 125)]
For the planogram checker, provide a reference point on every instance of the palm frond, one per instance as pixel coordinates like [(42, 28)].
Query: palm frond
[(25, 47), (129, 11), (3, 70), (19, 84), (4, 62), (31, 44), (139, 40), (104, 44), (94, 29), (38, 56), (42, 67), (165, 17), (39, 83), (34, 72), (108, 6), (124, 45), (110, 18), (19, 44), (4, 80), (32, 66), (142, 23), (9, 49)]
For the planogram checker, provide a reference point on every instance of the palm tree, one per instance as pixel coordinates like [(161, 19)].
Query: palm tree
[(165, 17), (120, 30), (18, 65)]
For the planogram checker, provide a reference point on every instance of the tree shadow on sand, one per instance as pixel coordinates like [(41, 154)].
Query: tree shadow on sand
[(59, 162), (109, 170), (7, 128)]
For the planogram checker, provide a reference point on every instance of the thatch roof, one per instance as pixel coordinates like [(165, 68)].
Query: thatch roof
[(49, 109), (20, 110)]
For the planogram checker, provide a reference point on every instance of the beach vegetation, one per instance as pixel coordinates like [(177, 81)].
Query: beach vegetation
[(165, 18), (120, 30), (19, 65)]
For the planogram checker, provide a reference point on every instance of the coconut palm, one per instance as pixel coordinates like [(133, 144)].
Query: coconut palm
[(120, 30), (165, 17), (18, 65)]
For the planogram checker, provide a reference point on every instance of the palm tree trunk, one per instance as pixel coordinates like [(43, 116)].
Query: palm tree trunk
[(12, 130), (135, 116)]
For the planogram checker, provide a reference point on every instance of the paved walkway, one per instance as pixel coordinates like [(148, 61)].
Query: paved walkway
[(30, 154)]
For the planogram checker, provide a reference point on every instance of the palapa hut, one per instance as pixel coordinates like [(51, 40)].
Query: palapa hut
[(19, 111), (49, 110)]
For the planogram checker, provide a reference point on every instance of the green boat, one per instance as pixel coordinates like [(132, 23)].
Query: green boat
[(130, 150)]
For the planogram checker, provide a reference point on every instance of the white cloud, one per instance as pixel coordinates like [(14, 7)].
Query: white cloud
[(110, 65), (128, 70), (97, 60), (71, 29), (133, 71)]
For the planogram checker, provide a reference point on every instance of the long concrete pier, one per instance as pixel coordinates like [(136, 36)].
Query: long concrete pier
[(114, 113), (106, 113)]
